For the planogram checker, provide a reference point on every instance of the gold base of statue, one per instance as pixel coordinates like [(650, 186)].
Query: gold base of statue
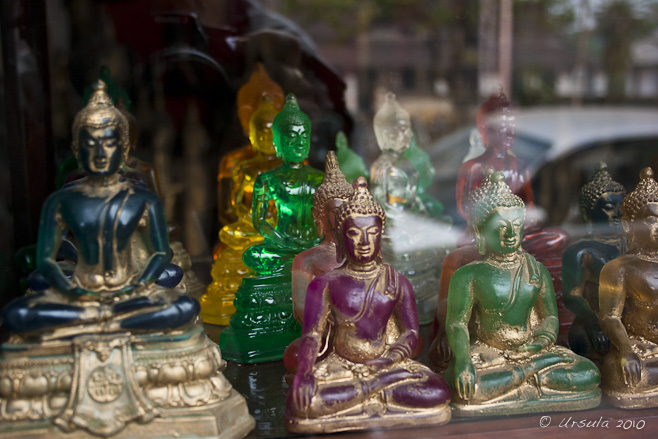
[(120, 385), (525, 401), (372, 415)]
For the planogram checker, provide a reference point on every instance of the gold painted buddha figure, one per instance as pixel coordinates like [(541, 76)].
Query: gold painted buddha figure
[(502, 323), (228, 268), (110, 347), (628, 303), (248, 100), (368, 380), (394, 182)]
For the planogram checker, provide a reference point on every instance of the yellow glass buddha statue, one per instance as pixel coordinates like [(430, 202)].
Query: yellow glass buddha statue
[(228, 268), (248, 99), (628, 303)]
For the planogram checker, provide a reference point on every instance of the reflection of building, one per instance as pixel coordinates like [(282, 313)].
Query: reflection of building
[(643, 79)]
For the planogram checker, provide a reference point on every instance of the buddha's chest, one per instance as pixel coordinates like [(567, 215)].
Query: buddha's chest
[(643, 283), (368, 311), (293, 191), (506, 293)]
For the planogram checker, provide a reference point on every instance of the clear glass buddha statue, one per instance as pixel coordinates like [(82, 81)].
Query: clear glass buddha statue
[(368, 380), (248, 100), (394, 182), (263, 324), (228, 268), (600, 206), (628, 303), (107, 346), (502, 323)]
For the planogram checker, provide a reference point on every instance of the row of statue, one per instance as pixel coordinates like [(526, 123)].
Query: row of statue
[(108, 341)]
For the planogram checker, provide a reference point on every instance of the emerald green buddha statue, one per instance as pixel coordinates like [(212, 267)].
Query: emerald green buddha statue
[(502, 322), (351, 164), (263, 324)]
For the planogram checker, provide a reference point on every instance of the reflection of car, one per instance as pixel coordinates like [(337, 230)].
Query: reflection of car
[(561, 147)]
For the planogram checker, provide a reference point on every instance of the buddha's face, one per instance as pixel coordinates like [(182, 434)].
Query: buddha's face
[(395, 137), (260, 135), (503, 231), (99, 150), (643, 232), (500, 131), (294, 143), (362, 238), (607, 209)]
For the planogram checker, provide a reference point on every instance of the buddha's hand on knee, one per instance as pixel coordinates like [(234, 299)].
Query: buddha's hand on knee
[(303, 388), (465, 379), (598, 338), (631, 367)]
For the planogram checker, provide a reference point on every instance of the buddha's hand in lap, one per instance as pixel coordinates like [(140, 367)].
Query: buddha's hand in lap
[(465, 378), (81, 293), (303, 389), (631, 367), (387, 360)]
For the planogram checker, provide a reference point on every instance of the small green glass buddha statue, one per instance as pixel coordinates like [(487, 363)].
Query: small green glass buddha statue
[(600, 206), (423, 164), (394, 182), (628, 303), (110, 348), (351, 164), (502, 323), (263, 324), (228, 268)]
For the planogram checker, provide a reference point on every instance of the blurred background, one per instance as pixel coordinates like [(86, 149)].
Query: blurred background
[(583, 75)]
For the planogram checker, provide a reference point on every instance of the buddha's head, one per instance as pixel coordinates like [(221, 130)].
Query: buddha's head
[(392, 126), (101, 141), (600, 199), (496, 122), (251, 93), (260, 126), (497, 216), (360, 223), (291, 132), (331, 194), (639, 212)]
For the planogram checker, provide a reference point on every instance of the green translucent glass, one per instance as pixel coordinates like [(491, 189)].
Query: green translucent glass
[(421, 161), (351, 164), (263, 324)]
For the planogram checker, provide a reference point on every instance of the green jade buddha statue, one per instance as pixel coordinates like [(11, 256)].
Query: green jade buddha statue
[(628, 303), (502, 323), (228, 268), (423, 164), (263, 324), (351, 164), (106, 349), (394, 182), (600, 206)]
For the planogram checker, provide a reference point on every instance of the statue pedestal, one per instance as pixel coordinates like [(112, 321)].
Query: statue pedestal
[(263, 324), (119, 385)]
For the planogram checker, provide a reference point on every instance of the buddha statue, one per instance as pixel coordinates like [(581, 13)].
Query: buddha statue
[(248, 100), (368, 380), (423, 164), (394, 182), (228, 268), (627, 303), (351, 164), (105, 348), (502, 323), (263, 324), (496, 123), (600, 206)]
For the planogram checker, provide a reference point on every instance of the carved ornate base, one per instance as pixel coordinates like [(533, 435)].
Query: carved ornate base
[(119, 385), (228, 270), (526, 402), (371, 415), (263, 325)]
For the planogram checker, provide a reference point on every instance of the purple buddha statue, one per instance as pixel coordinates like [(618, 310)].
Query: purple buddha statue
[(369, 312)]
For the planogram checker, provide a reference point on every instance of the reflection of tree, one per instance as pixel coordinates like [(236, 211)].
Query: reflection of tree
[(618, 28)]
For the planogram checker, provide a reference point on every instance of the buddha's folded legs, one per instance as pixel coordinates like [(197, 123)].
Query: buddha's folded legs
[(29, 313), (181, 311), (266, 258)]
